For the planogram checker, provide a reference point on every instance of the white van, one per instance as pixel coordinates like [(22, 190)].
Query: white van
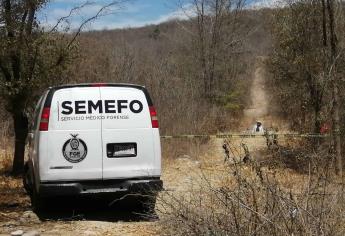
[(89, 139)]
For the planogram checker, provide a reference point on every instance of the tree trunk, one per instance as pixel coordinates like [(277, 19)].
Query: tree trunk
[(335, 90), (324, 23), (20, 120), (336, 128), (317, 118)]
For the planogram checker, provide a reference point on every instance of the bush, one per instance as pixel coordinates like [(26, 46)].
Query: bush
[(250, 199)]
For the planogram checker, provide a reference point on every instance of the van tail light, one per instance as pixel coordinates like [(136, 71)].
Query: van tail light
[(154, 119), (44, 123)]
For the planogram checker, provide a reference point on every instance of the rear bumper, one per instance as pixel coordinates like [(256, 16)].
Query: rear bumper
[(142, 186)]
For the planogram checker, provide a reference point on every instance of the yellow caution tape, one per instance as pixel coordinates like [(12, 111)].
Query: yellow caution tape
[(240, 135)]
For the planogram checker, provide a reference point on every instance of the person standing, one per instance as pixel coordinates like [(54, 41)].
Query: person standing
[(258, 127)]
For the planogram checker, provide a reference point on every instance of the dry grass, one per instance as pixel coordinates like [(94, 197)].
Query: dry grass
[(13, 198), (252, 199), (173, 149), (6, 150)]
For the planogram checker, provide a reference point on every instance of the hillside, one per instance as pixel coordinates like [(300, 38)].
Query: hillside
[(163, 59), (211, 78)]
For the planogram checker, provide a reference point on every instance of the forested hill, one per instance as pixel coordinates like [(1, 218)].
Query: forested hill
[(166, 59)]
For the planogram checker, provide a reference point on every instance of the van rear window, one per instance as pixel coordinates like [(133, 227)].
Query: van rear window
[(91, 107)]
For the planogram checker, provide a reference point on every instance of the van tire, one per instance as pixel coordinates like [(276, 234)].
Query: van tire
[(38, 203), (146, 205), (27, 179)]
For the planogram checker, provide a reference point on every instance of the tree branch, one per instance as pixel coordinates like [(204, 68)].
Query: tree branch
[(31, 11), (74, 9), (8, 17), (98, 14), (5, 71)]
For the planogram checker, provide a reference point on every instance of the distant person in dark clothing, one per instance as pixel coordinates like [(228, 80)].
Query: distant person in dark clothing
[(258, 128)]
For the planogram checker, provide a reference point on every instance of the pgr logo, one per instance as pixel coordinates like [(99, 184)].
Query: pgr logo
[(74, 149)]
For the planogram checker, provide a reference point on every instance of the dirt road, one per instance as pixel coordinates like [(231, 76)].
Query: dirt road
[(258, 109)]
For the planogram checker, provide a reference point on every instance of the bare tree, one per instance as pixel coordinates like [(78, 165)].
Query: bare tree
[(300, 61), (306, 63), (30, 57), (216, 35), (335, 87)]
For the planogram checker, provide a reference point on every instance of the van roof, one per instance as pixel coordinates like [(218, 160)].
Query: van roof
[(98, 85), (52, 90)]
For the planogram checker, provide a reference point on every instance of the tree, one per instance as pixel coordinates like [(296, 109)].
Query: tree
[(335, 86), (31, 57), (307, 60), (216, 35), (300, 60)]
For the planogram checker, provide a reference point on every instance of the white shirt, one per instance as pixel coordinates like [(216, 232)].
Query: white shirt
[(261, 129)]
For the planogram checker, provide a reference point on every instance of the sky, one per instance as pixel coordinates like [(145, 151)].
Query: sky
[(129, 13), (132, 13)]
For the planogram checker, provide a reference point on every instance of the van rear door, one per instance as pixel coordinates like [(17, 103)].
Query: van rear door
[(128, 146), (72, 144)]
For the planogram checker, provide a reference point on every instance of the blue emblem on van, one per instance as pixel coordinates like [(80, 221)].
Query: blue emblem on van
[(74, 149)]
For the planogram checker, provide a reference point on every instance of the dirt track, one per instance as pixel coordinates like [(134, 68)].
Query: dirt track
[(178, 175), (258, 109)]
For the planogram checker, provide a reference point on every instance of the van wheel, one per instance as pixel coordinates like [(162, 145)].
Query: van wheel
[(27, 180), (146, 205), (38, 203)]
